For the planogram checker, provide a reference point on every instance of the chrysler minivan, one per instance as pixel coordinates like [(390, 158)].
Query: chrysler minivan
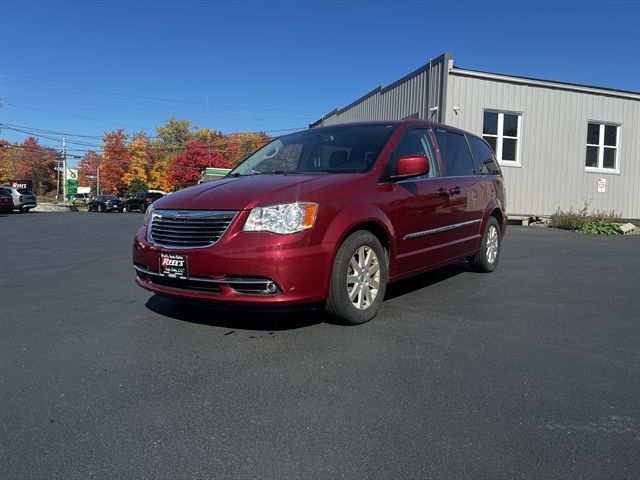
[(328, 216)]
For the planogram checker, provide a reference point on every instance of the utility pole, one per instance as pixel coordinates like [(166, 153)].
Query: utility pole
[(58, 158), (64, 170)]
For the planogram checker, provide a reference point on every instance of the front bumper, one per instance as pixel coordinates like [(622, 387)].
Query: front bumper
[(25, 205), (245, 269)]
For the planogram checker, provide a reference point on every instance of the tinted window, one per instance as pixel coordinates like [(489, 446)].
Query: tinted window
[(455, 154), (593, 134), (338, 149), (490, 124), (510, 125), (485, 161)]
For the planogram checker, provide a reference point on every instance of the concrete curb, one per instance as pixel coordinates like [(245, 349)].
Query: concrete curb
[(52, 207)]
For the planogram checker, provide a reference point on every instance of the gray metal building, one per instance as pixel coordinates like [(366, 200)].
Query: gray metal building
[(560, 145)]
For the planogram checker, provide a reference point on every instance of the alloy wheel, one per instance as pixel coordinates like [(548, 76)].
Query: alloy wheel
[(363, 277)]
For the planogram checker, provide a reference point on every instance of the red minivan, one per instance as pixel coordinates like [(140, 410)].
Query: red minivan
[(328, 216)]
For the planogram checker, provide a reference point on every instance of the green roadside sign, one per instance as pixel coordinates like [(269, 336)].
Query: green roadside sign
[(72, 188)]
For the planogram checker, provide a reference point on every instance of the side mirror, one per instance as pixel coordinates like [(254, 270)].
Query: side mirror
[(412, 166)]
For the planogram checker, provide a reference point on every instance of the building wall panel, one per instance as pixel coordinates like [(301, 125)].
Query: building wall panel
[(553, 137), (412, 95)]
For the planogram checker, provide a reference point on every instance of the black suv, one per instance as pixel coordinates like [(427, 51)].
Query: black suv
[(140, 201)]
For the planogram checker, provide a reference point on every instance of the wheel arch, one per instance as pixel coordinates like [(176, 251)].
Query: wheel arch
[(357, 218), (494, 209)]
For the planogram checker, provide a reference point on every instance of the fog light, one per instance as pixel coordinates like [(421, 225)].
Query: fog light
[(271, 287)]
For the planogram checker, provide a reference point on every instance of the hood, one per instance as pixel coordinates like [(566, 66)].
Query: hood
[(242, 193)]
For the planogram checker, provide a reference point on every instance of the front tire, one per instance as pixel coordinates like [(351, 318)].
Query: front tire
[(358, 280), (486, 260)]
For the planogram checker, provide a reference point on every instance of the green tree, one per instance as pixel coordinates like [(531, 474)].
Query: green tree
[(137, 185), (175, 134)]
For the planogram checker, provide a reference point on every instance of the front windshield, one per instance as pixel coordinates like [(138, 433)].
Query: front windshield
[(339, 149)]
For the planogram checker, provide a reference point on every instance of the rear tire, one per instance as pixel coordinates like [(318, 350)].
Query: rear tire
[(358, 280), (486, 260)]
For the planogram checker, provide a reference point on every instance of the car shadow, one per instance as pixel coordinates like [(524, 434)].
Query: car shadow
[(215, 316), (413, 284), (268, 320)]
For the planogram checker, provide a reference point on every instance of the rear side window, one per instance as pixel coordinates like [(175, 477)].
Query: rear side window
[(485, 161), (455, 153), (24, 191)]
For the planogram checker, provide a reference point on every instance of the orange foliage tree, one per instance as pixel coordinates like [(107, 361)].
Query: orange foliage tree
[(116, 161), (88, 174)]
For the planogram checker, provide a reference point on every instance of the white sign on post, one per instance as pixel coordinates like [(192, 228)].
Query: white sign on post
[(602, 185)]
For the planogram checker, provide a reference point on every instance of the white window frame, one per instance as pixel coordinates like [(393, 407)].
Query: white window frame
[(601, 147), (500, 136)]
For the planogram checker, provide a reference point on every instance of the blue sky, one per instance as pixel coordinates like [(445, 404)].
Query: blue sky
[(85, 67)]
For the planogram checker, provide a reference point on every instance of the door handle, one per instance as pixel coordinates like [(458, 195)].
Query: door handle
[(455, 191), (442, 192)]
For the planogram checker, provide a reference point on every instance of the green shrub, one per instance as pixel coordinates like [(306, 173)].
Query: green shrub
[(600, 227)]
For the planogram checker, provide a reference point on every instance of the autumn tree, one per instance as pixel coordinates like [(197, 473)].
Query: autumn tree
[(8, 161), (34, 162), (249, 142), (187, 166), (88, 171), (116, 161), (233, 153), (159, 174), (139, 164), (214, 139)]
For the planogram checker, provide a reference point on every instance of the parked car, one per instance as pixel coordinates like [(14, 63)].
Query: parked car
[(140, 201), (328, 216), (80, 199), (6, 201), (105, 203), (23, 199)]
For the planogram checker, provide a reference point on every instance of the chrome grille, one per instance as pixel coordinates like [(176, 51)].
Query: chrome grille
[(188, 228)]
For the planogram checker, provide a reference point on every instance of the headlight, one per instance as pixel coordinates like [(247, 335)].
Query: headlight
[(282, 219), (147, 215)]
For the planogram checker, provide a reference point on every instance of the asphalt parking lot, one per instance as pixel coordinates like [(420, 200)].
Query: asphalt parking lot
[(531, 372)]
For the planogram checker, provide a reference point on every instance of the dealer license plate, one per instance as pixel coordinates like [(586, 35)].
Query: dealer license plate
[(174, 265)]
